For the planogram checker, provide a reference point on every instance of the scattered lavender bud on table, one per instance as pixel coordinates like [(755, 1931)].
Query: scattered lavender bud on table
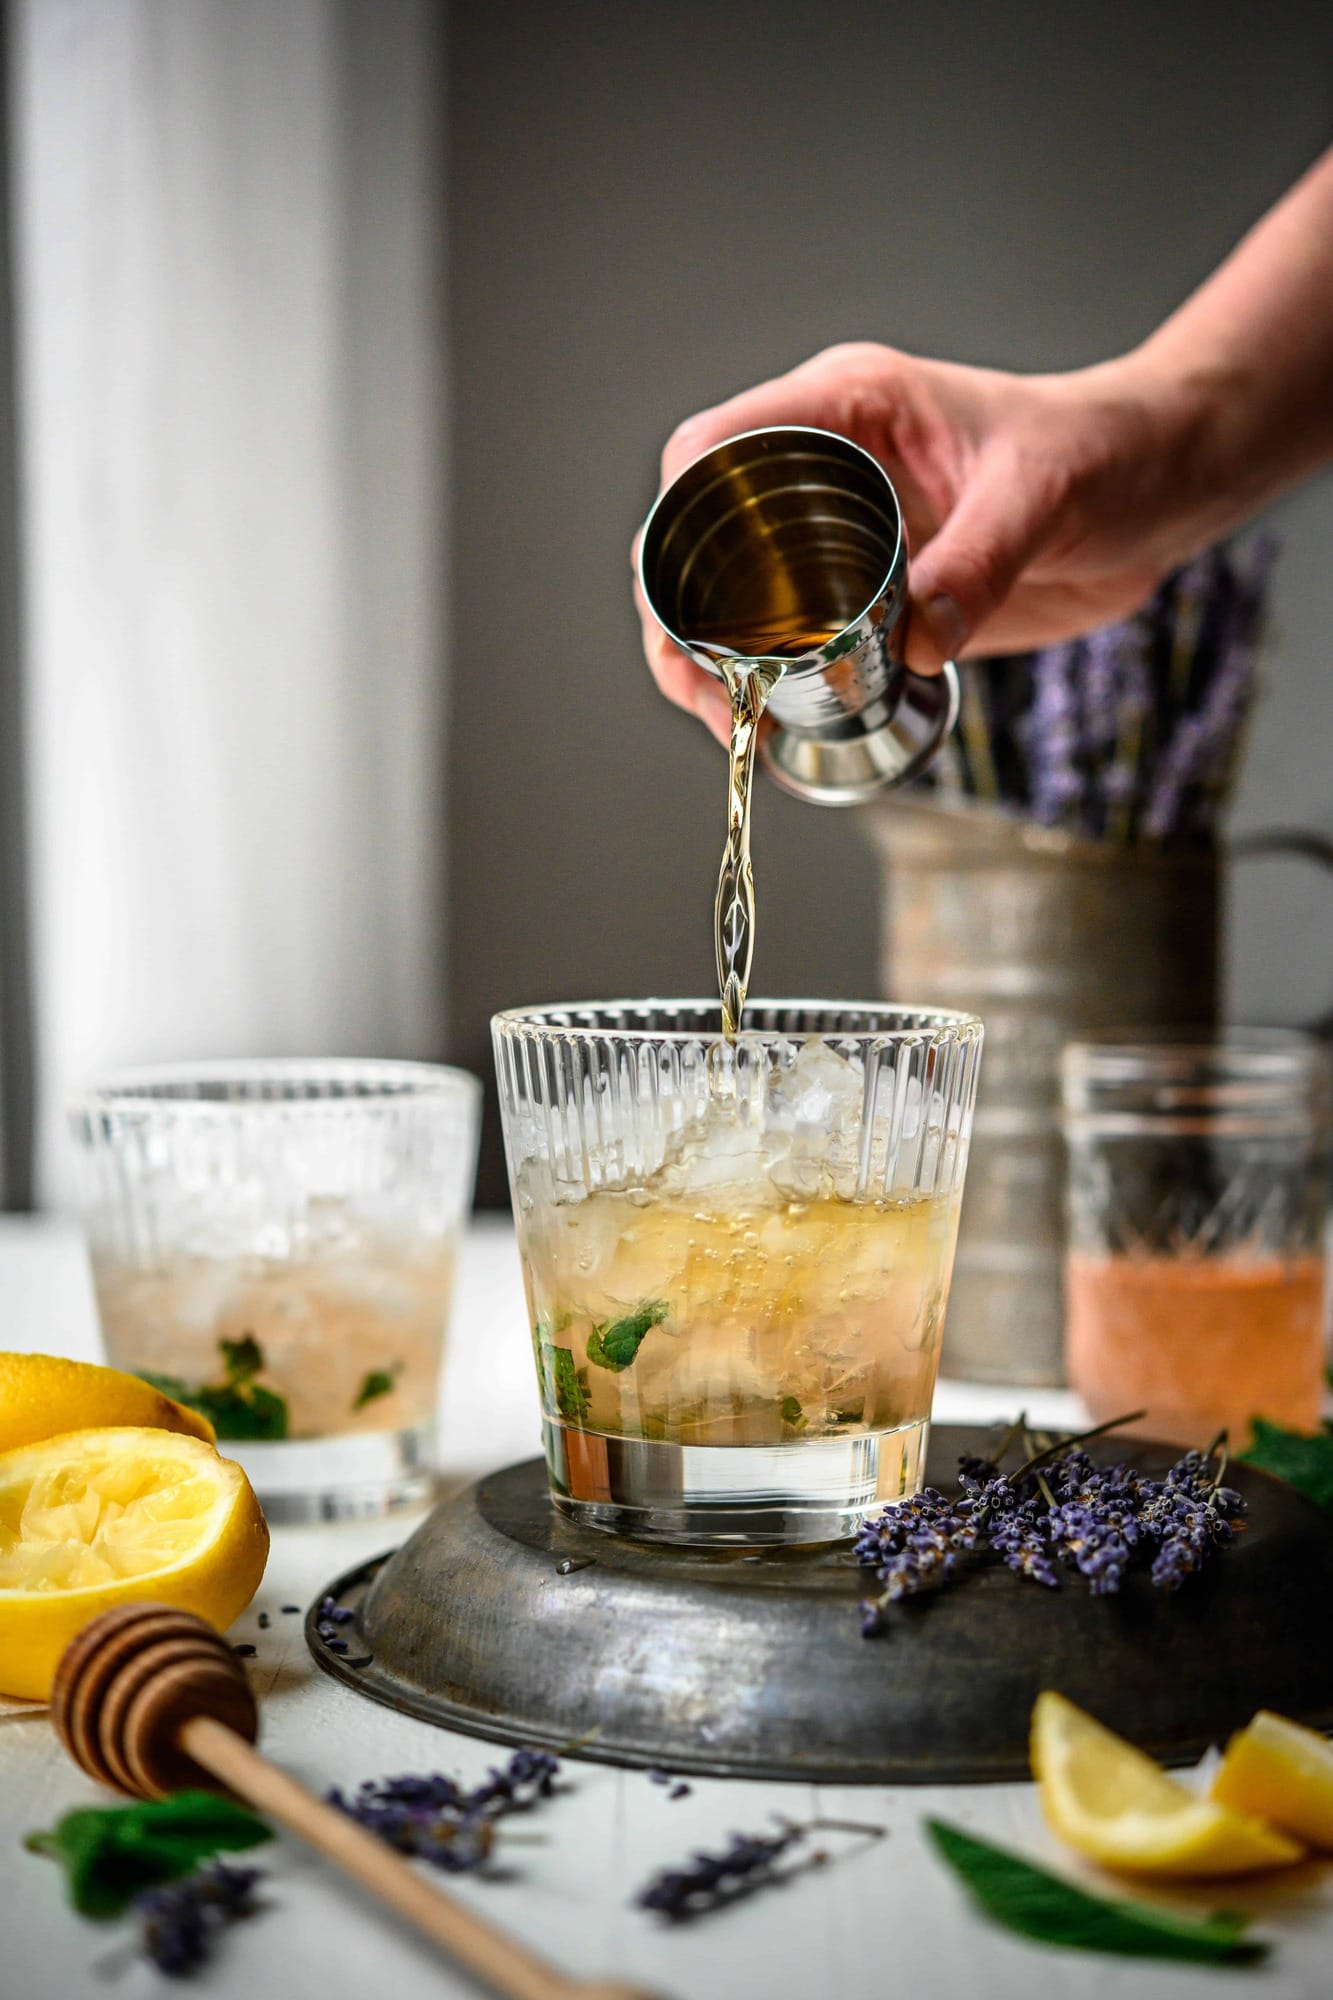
[(179, 1921)]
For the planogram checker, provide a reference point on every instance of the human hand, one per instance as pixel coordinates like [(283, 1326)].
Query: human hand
[(1037, 507)]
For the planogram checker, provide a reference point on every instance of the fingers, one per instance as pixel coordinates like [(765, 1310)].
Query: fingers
[(801, 397), (1002, 519), (679, 678)]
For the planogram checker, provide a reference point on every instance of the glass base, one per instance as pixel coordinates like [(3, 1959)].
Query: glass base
[(357, 1477), (730, 1495)]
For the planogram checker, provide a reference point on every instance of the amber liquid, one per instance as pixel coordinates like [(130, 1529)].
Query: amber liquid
[(1200, 1344), (751, 668), (773, 1319)]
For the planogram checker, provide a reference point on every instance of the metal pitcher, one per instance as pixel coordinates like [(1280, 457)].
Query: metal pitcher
[(1048, 937), (788, 545)]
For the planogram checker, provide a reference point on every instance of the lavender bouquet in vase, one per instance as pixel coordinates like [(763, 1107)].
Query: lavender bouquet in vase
[(1058, 872)]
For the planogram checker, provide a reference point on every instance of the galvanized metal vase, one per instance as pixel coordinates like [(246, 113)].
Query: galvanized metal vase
[(1049, 938)]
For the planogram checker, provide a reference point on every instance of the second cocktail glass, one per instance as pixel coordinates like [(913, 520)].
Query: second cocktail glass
[(737, 1255)]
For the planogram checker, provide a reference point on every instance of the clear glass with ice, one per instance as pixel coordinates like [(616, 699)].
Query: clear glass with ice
[(736, 1254), (274, 1243)]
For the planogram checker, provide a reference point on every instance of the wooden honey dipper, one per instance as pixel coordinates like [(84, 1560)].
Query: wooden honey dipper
[(152, 1701)]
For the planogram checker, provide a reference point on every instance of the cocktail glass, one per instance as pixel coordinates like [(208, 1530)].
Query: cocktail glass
[(274, 1243), (736, 1255)]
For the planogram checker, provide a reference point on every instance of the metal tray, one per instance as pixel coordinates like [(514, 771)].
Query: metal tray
[(500, 1618)]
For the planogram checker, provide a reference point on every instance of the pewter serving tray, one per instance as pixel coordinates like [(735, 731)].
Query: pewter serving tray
[(500, 1618)]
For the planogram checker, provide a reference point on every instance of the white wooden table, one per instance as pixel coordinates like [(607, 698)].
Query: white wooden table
[(884, 1919)]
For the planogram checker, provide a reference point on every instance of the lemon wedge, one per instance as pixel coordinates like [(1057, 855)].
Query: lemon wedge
[(1114, 1805), (1280, 1772), (102, 1517), (42, 1395)]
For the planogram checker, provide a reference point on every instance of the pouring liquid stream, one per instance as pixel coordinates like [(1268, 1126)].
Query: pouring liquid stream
[(749, 681), (749, 684)]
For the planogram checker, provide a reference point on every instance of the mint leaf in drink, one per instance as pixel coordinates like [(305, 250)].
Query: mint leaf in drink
[(112, 1853), (237, 1407), (376, 1383), (789, 1409), (258, 1414), (615, 1344), (561, 1384), (242, 1359), (1040, 1905), (1304, 1462), (853, 1414), (174, 1386)]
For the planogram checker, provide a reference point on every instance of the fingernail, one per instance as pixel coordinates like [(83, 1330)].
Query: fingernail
[(944, 620)]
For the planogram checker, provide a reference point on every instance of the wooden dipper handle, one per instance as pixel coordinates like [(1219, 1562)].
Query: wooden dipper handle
[(151, 1700)]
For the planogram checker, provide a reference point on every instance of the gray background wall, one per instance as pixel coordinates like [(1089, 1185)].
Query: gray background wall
[(656, 202)]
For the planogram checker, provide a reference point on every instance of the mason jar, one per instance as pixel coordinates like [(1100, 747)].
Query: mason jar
[(1195, 1281)]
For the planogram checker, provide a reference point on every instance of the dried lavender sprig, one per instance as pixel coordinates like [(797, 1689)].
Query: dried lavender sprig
[(1132, 732), (1094, 1519), (708, 1881), (1052, 733), (433, 1817)]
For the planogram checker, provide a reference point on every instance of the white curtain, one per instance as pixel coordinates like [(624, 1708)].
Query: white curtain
[(227, 228)]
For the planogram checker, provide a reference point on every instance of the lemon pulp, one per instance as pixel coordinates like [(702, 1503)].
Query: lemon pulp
[(1282, 1772), (101, 1517)]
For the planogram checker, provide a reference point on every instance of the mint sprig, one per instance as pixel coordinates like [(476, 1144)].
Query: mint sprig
[(1042, 1906), (616, 1343), (111, 1854)]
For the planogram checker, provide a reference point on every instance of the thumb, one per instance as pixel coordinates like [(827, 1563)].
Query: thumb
[(1000, 522)]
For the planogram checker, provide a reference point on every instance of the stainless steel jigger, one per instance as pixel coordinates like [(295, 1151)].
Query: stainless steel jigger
[(789, 544)]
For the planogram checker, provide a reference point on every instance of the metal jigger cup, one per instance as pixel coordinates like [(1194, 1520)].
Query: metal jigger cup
[(798, 531)]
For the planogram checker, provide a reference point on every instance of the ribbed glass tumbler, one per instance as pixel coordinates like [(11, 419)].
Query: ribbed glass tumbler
[(737, 1256), (274, 1243)]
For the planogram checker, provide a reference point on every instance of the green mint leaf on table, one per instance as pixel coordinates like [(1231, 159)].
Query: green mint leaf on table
[(1042, 1906), (616, 1344), (112, 1853), (1304, 1462), (378, 1382)]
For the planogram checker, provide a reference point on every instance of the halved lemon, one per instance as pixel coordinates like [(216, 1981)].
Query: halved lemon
[(1281, 1772), (114, 1516), (1114, 1805), (43, 1395)]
